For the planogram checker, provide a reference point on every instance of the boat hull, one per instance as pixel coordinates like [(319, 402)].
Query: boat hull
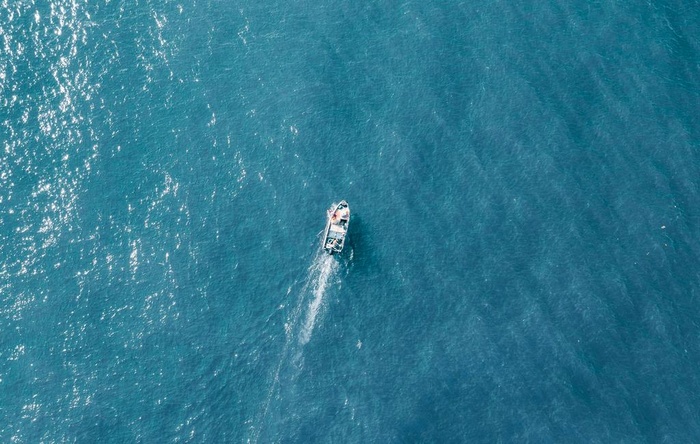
[(336, 228)]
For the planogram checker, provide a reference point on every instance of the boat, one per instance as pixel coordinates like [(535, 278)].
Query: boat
[(336, 227)]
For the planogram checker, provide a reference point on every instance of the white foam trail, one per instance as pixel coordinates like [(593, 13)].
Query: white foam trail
[(321, 278), (318, 278)]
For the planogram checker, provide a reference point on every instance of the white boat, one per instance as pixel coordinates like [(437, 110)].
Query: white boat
[(336, 227)]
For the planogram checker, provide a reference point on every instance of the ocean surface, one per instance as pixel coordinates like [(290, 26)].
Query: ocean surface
[(523, 261)]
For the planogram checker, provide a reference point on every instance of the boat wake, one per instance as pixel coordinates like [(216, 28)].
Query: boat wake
[(322, 270), (298, 330)]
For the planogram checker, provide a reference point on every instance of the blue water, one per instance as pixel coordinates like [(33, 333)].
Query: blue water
[(523, 256)]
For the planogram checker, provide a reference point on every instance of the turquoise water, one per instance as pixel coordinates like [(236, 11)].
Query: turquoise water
[(522, 262)]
